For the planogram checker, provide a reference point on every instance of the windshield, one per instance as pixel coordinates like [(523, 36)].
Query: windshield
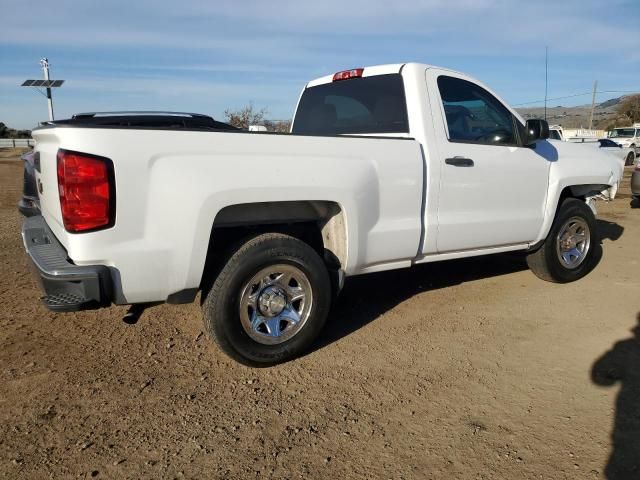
[(360, 105), (622, 133)]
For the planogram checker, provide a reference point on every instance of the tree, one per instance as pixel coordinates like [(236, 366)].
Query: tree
[(6, 132), (629, 108), (245, 116), (280, 126)]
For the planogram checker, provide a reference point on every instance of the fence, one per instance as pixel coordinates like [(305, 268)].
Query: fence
[(584, 133), (16, 142)]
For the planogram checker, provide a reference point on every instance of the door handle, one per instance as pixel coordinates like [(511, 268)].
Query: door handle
[(459, 162)]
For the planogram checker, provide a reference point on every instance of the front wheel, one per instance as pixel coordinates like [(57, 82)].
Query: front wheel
[(571, 249), (269, 301)]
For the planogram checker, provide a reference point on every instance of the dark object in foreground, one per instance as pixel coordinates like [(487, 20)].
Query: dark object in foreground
[(29, 205)]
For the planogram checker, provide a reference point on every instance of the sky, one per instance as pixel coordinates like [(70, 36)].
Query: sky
[(209, 56)]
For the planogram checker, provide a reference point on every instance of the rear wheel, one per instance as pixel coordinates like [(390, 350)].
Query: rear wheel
[(630, 158), (570, 251), (270, 300)]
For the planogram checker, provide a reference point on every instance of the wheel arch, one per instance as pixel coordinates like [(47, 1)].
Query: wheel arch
[(579, 191), (320, 223)]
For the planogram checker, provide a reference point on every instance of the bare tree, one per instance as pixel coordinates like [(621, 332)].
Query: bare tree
[(246, 116), (629, 108)]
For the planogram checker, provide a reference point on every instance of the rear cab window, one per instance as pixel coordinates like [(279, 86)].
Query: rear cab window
[(371, 105)]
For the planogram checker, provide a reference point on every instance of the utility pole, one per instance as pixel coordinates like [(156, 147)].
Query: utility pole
[(44, 63), (546, 79), (593, 104)]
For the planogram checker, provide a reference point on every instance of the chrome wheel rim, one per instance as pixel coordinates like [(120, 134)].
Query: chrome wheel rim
[(275, 304), (573, 242)]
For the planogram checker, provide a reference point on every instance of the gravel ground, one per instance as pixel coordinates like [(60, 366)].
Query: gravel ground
[(470, 369)]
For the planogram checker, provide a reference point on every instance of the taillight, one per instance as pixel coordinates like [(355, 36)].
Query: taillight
[(87, 191), (353, 73)]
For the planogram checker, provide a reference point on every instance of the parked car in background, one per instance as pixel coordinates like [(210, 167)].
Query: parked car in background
[(145, 119), (627, 154), (627, 137), (556, 133)]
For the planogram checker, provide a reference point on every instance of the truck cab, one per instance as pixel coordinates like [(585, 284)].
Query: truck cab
[(627, 137), (556, 133)]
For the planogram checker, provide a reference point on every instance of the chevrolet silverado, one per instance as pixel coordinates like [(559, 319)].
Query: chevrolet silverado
[(385, 167)]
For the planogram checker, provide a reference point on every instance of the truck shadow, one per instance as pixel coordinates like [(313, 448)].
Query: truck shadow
[(367, 297), (620, 365)]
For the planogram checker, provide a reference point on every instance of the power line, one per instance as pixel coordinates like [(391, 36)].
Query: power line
[(575, 95)]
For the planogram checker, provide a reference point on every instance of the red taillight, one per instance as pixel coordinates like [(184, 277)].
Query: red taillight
[(353, 73), (85, 185)]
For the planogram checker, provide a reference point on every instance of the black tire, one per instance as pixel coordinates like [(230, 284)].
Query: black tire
[(221, 308), (630, 159), (545, 262)]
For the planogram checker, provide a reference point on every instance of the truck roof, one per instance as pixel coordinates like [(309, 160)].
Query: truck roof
[(374, 70)]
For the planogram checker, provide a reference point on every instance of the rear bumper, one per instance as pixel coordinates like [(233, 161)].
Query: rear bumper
[(67, 287)]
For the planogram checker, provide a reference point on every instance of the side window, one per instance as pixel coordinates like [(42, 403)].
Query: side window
[(474, 115)]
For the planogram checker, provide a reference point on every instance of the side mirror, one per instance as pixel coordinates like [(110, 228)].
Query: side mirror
[(535, 130)]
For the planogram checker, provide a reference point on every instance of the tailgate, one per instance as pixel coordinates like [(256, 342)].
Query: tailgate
[(46, 148)]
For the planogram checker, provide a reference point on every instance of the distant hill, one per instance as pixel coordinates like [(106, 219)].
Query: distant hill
[(610, 103), (575, 117)]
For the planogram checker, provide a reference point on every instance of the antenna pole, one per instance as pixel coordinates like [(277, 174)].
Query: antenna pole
[(593, 104), (45, 68), (546, 79)]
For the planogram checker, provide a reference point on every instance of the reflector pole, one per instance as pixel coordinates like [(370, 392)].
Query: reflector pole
[(45, 67)]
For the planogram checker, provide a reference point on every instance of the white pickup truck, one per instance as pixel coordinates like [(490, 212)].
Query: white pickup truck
[(627, 137), (385, 167)]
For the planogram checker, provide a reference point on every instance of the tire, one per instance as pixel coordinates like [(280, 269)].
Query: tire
[(630, 159), (556, 261), (270, 300)]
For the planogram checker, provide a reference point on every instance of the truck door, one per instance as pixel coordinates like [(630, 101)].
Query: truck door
[(492, 190)]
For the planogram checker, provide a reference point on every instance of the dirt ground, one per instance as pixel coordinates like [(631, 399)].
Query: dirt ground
[(470, 369)]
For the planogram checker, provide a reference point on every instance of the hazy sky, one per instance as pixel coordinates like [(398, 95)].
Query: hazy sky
[(206, 56)]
